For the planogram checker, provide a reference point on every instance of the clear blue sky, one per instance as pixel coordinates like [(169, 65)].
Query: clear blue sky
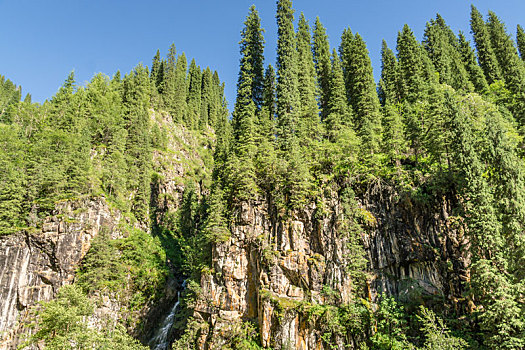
[(42, 41)]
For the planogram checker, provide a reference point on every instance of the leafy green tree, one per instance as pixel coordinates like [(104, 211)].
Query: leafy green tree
[(10, 94), (501, 315), (157, 72), (266, 157), (62, 324), (13, 180), (169, 84), (391, 326), (269, 91), (215, 225), (346, 52), (478, 196), (241, 167)]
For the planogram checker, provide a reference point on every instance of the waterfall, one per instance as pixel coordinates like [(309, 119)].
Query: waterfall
[(160, 339)]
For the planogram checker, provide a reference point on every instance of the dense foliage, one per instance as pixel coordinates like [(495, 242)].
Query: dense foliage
[(110, 138), (444, 121)]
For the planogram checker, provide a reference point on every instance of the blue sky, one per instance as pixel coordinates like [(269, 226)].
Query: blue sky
[(42, 41)]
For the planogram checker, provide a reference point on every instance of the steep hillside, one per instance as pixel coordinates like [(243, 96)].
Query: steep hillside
[(329, 211)]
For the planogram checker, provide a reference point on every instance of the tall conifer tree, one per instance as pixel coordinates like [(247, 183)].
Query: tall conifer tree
[(411, 65), (441, 46), (339, 114), (194, 95), (321, 51), (170, 84), (206, 98), (486, 56), (181, 92), (389, 82), (511, 66), (520, 39), (269, 92), (253, 43), (249, 94), (308, 118), (477, 77), (287, 87), (363, 95)]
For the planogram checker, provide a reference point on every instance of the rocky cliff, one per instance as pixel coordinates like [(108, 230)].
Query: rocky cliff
[(34, 265), (274, 271)]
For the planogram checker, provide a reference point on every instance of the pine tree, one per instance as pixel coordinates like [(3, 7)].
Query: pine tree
[(486, 57), (241, 167), (157, 71), (520, 39), (346, 52), (511, 67), (215, 225), (339, 114), (138, 146), (266, 158), (321, 51), (389, 83), (411, 65), (287, 87), (206, 98), (13, 185), (477, 195), (308, 114), (269, 92), (362, 89), (441, 46), (194, 96), (252, 43), (169, 83), (180, 95), (477, 77), (394, 141)]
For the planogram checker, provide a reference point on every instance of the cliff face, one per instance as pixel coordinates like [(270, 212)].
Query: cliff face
[(270, 267), (35, 265)]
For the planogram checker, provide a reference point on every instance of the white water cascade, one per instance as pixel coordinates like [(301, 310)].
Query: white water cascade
[(160, 339)]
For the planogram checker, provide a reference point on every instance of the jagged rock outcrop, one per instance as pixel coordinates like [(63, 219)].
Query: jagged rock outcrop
[(34, 265), (270, 266)]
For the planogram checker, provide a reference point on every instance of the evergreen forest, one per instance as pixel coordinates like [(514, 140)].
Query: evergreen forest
[(310, 138)]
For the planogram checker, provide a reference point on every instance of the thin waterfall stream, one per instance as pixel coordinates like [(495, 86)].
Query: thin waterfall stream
[(160, 339)]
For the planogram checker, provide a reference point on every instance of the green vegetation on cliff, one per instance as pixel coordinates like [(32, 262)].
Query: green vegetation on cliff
[(444, 123)]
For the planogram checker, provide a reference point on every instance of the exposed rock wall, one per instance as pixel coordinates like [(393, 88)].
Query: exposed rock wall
[(270, 266), (34, 265)]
